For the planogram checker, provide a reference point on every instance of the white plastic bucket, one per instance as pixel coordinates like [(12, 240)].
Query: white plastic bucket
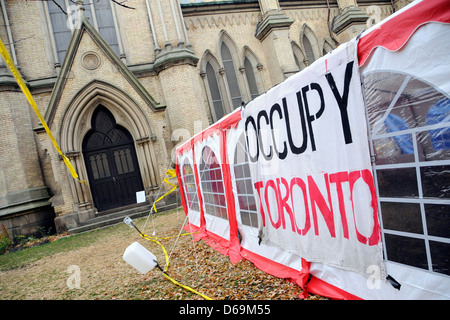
[(139, 258)]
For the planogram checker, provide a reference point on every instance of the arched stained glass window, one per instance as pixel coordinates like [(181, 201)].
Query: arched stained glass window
[(308, 50), (230, 72), (251, 79), (215, 91)]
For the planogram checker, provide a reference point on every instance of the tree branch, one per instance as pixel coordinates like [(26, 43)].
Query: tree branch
[(121, 3), (56, 4)]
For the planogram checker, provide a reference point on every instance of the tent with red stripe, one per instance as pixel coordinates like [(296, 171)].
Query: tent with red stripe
[(337, 179)]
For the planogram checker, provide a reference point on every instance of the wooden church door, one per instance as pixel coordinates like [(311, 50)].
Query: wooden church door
[(111, 162)]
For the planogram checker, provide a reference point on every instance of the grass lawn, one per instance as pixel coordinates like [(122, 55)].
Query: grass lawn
[(49, 271), (27, 256)]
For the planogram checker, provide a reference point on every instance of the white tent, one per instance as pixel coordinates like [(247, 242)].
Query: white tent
[(338, 178)]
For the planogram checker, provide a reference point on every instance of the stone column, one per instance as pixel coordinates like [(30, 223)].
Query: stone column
[(24, 197), (83, 202), (273, 32), (148, 170), (83, 205), (175, 65), (350, 21)]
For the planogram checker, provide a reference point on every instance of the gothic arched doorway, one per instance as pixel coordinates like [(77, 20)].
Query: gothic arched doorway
[(111, 162)]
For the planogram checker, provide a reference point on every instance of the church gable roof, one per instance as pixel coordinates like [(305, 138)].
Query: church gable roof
[(85, 28)]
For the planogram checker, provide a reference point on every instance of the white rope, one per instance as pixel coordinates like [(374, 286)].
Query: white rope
[(178, 237), (192, 201), (151, 210)]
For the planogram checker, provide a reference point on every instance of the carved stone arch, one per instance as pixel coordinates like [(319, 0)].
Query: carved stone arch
[(211, 78), (257, 68), (209, 57), (299, 56), (76, 118), (214, 22), (76, 123), (248, 53), (224, 37), (306, 32), (233, 66), (326, 46), (205, 22)]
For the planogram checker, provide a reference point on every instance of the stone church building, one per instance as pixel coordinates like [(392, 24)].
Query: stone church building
[(121, 85)]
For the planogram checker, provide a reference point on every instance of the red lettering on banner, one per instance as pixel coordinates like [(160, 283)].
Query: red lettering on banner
[(317, 198), (299, 182), (258, 186), (282, 204), (338, 179), (368, 179), (271, 183), (312, 196)]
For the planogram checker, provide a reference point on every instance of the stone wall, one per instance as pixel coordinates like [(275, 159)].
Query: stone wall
[(163, 47)]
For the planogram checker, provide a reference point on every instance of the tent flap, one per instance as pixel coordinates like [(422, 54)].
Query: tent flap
[(394, 32), (339, 175)]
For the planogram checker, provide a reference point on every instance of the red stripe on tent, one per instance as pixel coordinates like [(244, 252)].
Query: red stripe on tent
[(229, 195), (322, 288), (229, 121), (180, 186), (231, 247), (199, 194), (395, 32), (278, 270), (223, 246), (198, 233)]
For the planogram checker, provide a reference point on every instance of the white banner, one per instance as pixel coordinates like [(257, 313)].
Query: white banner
[(310, 165)]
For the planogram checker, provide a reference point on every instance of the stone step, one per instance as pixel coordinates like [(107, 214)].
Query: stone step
[(117, 213), (111, 217)]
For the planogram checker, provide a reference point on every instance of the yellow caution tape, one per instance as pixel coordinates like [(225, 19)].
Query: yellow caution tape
[(4, 53), (172, 174), (183, 234), (155, 239)]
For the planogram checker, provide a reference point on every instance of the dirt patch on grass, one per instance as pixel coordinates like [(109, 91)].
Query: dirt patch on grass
[(103, 274)]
